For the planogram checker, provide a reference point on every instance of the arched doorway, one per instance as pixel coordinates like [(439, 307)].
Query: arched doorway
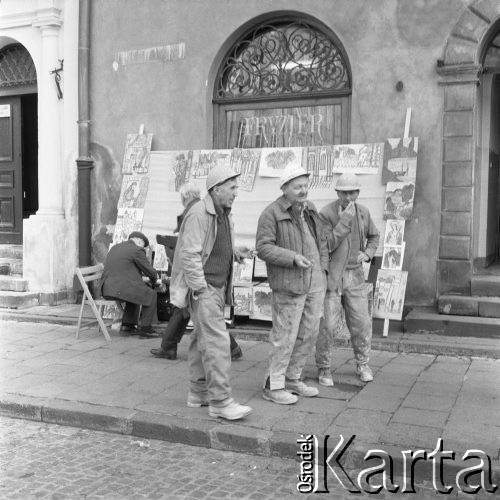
[(285, 81), (18, 141)]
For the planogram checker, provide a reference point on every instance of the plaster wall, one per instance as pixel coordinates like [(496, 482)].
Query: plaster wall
[(390, 42), (50, 241)]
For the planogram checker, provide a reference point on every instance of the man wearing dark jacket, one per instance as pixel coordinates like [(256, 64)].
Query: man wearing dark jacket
[(124, 267)]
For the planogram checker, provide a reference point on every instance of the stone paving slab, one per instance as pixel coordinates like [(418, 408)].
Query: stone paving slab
[(119, 387)]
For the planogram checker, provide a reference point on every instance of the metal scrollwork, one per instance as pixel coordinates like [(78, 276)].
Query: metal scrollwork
[(291, 58), (16, 66)]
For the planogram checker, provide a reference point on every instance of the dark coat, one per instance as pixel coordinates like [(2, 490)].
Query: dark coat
[(122, 278)]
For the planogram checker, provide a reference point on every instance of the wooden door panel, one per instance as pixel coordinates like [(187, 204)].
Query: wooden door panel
[(11, 217)]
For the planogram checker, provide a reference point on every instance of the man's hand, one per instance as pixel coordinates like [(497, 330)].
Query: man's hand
[(362, 257), (348, 213), (242, 253), (300, 261)]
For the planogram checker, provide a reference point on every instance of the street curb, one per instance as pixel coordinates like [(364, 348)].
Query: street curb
[(214, 434)]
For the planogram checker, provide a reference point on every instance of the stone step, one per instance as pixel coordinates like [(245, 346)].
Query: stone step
[(19, 300), (11, 251), (13, 284), (485, 285), (422, 319), (469, 306), (10, 266)]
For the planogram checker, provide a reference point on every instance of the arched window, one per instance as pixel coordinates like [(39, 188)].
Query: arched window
[(283, 84), (16, 67)]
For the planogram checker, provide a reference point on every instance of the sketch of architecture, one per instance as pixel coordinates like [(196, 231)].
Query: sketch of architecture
[(246, 163), (400, 159), (242, 300), (206, 159), (319, 160), (274, 160), (389, 294), (160, 262), (358, 158), (242, 272), (137, 152), (398, 203), (134, 191)]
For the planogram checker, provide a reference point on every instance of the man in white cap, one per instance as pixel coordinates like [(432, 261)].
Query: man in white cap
[(352, 239), (201, 280), (289, 240)]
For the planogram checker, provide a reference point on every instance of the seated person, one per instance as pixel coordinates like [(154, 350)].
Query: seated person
[(122, 280)]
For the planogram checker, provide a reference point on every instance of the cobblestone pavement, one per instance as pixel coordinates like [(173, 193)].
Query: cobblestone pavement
[(40, 460)]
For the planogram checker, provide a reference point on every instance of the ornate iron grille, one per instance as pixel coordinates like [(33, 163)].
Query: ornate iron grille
[(16, 67), (290, 59)]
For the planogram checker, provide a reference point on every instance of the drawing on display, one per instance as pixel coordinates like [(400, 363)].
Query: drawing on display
[(137, 151), (394, 232), (393, 256), (204, 160), (274, 160), (242, 272), (260, 268), (261, 302), (134, 190), (398, 203), (242, 300), (358, 158), (389, 294), (160, 262), (181, 168), (246, 163), (400, 159), (319, 160), (128, 220)]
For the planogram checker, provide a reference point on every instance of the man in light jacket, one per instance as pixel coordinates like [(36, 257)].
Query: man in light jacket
[(201, 279), (289, 240), (352, 239)]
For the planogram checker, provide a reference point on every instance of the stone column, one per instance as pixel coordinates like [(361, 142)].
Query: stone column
[(45, 241), (455, 243)]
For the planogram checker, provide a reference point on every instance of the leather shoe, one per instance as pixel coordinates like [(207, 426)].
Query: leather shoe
[(236, 353), (148, 332), (168, 354), (127, 329)]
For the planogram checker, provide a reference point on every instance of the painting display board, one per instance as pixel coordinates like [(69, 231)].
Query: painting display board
[(128, 220), (259, 186), (134, 191), (389, 294)]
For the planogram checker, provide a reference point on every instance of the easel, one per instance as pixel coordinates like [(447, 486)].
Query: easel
[(385, 332)]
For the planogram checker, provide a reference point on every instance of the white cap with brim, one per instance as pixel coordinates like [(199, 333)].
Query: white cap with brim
[(292, 172), (219, 175), (348, 182)]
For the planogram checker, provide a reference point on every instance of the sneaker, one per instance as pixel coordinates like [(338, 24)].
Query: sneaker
[(364, 373), (325, 377), (279, 396), (298, 387), (196, 400), (233, 411)]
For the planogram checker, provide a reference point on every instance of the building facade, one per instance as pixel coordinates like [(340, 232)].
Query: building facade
[(169, 65)]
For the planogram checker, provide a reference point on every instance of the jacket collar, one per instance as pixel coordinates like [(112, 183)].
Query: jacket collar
[(210, 207), (285, 205)]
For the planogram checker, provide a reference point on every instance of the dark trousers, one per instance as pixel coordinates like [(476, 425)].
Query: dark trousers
[(176, 328), (131, 313)]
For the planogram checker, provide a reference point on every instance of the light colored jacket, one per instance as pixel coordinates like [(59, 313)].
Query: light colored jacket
[(338, 241), (280, 238), (194, 245)]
